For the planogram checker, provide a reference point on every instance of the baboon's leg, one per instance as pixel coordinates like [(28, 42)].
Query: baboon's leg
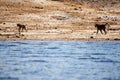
[(22, 28), (97, 31), (105, 31), (19, 29), (25, 29), (101, 31)]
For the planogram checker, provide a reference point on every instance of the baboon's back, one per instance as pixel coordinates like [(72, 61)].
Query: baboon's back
[(100, 26), (20, 25)]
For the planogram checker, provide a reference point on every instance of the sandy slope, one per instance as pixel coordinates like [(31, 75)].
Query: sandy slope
[(55, 20)]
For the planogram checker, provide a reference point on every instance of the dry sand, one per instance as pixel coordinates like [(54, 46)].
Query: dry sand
[(55, 20)]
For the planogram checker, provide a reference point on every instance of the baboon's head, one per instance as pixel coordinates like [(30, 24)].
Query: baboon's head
[(95, 24), (21, 25), (18, 24), (107, 25)]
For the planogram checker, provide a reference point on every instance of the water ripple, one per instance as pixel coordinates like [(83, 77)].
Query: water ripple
[(8, 78), (59, 60)]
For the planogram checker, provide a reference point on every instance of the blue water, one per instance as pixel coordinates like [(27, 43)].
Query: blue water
[(59, 60)]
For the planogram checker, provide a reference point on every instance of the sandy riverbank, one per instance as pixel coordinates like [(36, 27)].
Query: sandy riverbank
[(54, 20)]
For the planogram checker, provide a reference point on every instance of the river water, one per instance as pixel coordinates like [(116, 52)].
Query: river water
[(59, 60)]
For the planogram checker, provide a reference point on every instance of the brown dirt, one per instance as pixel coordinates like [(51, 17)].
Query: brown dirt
[(55, 20)]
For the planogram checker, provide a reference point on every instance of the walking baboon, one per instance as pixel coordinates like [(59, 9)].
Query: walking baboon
[(102, 27), (21, 27)]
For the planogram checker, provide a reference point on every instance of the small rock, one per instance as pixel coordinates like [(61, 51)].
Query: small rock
[(55, 27), (116, 39), (107, 39), (4, 23), (17, 36), (39, 7), (22, 35), (91, 37), (75, 9)]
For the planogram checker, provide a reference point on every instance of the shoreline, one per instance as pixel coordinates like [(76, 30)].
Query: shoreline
[(42, 35), (60, 39), (56, 35)]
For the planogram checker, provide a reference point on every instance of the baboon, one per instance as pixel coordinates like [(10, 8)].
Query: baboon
[(21, 27), (102, 27)]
